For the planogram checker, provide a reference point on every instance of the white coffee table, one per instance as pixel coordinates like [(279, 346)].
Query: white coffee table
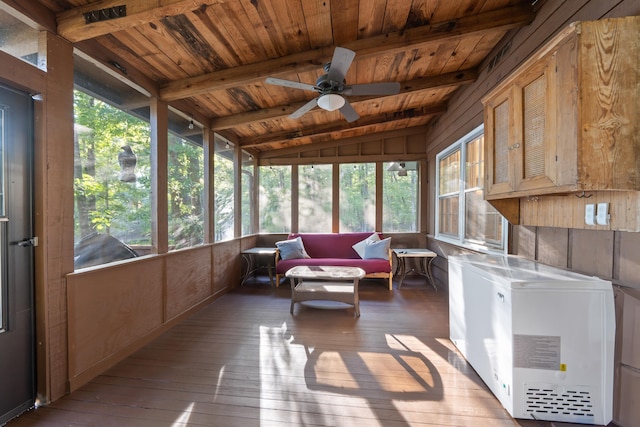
[(325, 283)]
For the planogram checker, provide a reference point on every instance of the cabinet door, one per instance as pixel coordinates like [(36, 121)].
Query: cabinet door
[(499, 134), (535, 120)]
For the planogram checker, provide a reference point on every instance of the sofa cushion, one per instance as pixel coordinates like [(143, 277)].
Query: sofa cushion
[(359, 247), (292, 249), (368, 265), (331, 245), (378, 249)]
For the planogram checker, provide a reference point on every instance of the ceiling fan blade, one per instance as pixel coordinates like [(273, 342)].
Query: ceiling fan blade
[(348, 112), (289, 83), (386, 88), (305, 108), (340, 63)]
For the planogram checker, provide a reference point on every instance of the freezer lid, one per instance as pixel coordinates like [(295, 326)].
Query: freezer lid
[(522, 273)]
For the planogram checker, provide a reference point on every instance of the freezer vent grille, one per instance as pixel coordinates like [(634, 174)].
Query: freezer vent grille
[(567, 403)]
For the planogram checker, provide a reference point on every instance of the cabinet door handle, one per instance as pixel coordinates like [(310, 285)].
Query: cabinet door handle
[(501, 297), (514, 146)]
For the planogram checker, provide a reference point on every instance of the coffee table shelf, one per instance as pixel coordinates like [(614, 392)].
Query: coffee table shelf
[(325, 283)]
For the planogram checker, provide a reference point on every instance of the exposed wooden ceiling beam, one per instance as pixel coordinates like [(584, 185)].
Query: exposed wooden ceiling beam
[(385, 44), (319, 130), (433, 82), (73, 27)]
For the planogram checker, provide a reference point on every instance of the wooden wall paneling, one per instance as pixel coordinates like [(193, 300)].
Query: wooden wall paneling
[(627, 262), (624, 209), (369, 149), (110, 310), (188, 280), (226, 265), (416, 144), (371, 145), (627, 368), (629, 410), (592, 252), (624, 8), (269, 240), (394, 145), (568, 211), (349, 150), (250, 241), (577, 209), (552, 246), (525, 241), (529, 211)]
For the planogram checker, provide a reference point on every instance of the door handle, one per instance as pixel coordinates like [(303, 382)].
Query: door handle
[(28, 242)]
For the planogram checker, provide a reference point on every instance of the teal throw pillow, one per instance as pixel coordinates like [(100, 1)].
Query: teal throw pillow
[(292, 249)]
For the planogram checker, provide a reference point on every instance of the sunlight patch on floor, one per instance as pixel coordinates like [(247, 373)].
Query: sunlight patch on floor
[(289, 390), (184, 418)]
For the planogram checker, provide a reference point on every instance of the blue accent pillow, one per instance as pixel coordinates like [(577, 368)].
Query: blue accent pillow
[(292, 249), (378, 249), (359, 247)]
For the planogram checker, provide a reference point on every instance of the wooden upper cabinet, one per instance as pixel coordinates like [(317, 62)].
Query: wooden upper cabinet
[(567, 119)]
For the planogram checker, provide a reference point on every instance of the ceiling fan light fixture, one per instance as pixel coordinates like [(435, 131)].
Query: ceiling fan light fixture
[(331, 102)]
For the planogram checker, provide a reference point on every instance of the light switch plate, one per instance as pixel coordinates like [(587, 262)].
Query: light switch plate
[(602, 216), (590, 214)]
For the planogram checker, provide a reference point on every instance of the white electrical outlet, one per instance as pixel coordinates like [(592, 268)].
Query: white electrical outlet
[(602, 217), (590, 214)]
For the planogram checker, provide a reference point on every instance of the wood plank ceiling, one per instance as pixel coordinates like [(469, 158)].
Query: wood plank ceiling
[(212, 57)]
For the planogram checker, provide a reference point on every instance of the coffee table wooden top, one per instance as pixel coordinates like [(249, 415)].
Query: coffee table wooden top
[(326, 272)]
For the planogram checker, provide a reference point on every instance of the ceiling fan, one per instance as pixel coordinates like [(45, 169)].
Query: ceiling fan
[(332, 87)]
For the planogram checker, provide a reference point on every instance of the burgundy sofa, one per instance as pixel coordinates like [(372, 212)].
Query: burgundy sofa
[(335, 249)]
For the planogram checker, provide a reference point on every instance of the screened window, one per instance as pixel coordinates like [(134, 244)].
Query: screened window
[(112, 183), (463, 216), (185, 174), (357, 197), (275, 199), (247, 192), (315, 198), (400, 197), (223, 189), (21, 41)]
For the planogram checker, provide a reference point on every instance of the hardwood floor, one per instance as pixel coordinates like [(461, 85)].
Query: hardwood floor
[(245, 361)]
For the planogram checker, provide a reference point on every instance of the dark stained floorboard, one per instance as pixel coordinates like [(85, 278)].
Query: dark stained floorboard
[(245, 361)]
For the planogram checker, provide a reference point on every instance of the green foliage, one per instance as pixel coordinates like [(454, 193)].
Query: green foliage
[(357, 197), (275, 199), (400, 204), (315, 198), (186, 188), (103, 202), (224, 198)]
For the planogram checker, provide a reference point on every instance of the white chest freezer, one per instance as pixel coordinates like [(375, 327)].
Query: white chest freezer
[(541, 338)]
